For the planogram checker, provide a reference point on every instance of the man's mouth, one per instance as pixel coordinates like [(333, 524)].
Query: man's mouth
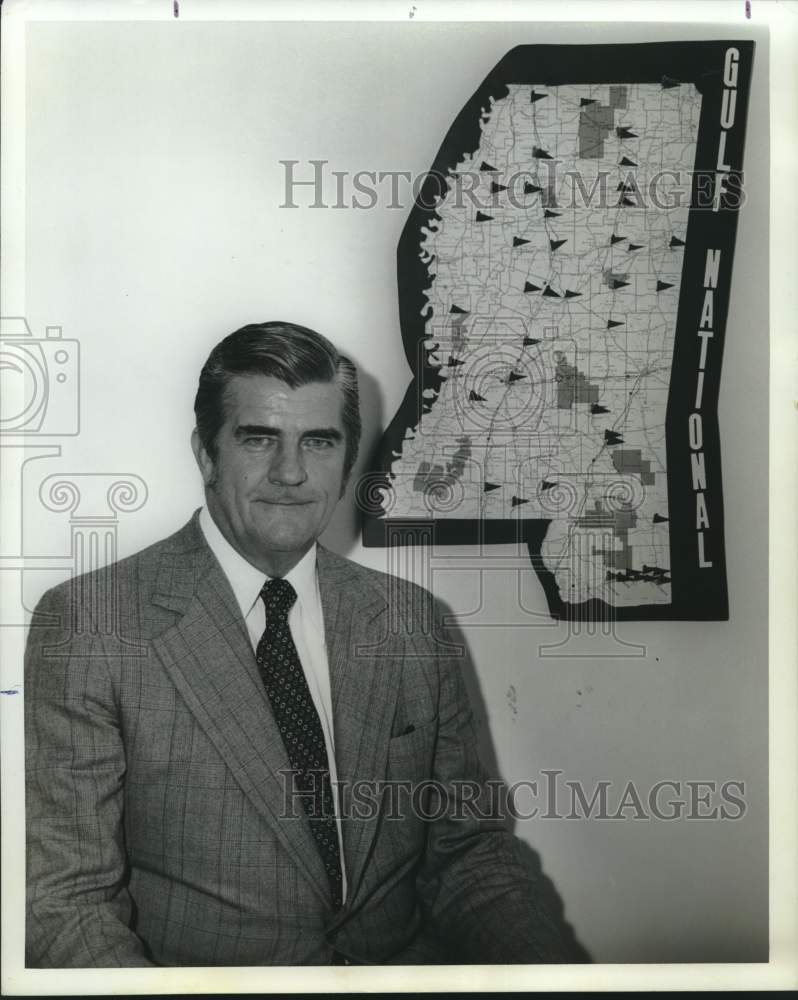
[(285, 503)]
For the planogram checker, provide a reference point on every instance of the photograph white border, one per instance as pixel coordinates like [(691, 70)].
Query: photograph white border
[(781, 972)]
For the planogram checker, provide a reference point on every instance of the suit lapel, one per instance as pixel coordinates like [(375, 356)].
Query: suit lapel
[(364, 693), (208, 655)]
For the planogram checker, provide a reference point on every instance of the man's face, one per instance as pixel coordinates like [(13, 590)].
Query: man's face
[(278, 473)]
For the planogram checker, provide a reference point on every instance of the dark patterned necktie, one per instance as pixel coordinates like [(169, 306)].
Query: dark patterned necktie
[(299, 725)]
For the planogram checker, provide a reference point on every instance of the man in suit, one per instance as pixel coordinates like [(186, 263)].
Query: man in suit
[(271, 758)]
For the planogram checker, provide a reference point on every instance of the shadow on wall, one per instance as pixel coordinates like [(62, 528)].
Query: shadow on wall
[(548, 899)]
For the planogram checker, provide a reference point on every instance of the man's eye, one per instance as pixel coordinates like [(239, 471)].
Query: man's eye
[(257, 442), (318, 444)]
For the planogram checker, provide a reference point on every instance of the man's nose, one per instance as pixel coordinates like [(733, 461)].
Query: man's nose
[(287, 467)]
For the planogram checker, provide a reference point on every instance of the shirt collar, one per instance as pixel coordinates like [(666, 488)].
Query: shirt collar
[(247, 580)]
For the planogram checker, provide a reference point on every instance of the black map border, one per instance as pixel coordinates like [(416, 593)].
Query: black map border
[(698, 594)]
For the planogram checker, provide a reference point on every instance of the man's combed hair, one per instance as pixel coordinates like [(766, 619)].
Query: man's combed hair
[(294, 354)]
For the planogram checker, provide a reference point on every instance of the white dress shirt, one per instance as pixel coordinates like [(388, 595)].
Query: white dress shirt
[(305, 621)]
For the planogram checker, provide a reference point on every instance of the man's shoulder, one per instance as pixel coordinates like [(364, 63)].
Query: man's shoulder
[(137, 572), (365, 580)]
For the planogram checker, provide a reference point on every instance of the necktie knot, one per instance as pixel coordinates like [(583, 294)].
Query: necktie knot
[(278, 598)]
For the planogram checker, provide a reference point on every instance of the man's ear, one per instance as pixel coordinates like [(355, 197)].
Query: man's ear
[(345, 480), (203, 459)]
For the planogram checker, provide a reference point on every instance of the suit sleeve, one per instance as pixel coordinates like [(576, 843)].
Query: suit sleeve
[(78, 910), (481, 888)]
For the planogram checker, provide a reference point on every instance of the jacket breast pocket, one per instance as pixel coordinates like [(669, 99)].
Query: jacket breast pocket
[(411, 798), (410, 754)]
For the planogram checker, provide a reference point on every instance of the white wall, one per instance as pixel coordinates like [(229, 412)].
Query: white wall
[(154, 228)]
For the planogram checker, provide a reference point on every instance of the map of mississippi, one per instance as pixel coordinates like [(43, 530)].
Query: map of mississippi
[(543, 283)]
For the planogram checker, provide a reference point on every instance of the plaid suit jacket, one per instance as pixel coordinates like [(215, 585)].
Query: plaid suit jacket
[(159, 826)]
